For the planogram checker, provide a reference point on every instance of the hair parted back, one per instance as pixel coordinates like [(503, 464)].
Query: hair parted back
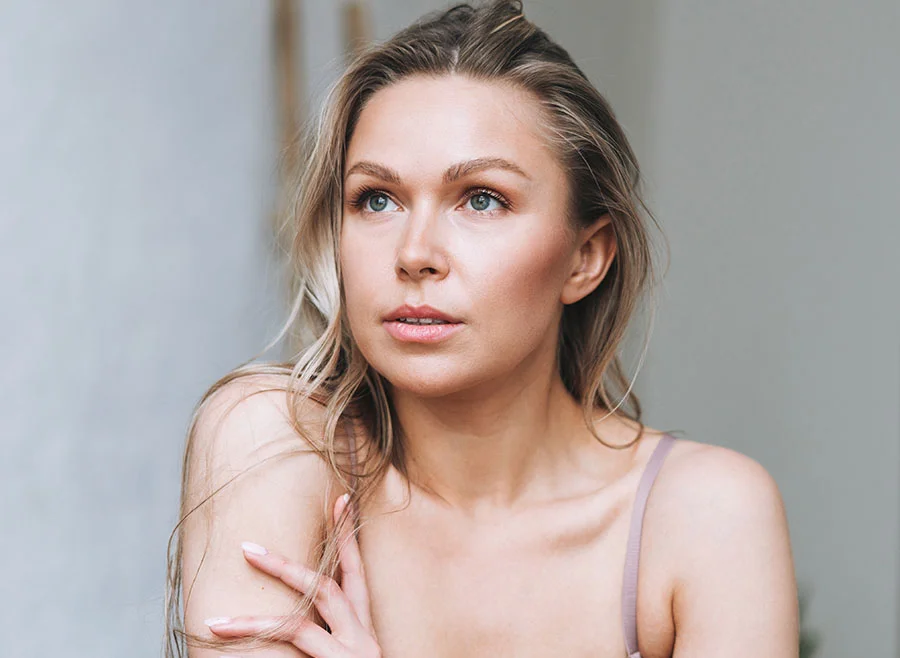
[(489, 42)]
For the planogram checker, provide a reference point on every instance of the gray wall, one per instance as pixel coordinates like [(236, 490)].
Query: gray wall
[(774, 169), (140, 161), (137, 170)]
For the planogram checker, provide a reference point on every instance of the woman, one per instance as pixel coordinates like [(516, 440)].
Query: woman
[(470, 249)]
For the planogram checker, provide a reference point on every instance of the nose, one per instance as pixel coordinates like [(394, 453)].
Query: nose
[(420, 253)]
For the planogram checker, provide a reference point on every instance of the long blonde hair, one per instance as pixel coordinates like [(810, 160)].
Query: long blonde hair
[(493, 42)]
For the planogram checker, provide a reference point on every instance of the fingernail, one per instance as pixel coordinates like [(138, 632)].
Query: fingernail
[(345, 498), (216, 621), (256, 549)]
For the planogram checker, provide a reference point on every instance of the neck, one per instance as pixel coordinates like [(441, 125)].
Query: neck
[(500, 446)]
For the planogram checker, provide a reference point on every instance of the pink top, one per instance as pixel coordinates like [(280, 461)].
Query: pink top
[(632, 548)]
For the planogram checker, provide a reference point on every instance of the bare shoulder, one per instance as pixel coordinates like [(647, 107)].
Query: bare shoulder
[(710, 496), (702, 483), (249, 476), (727, 551), (247, 420)]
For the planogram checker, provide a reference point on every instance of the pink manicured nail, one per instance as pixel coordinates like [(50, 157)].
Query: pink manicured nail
[(256, 549), (217, 621)]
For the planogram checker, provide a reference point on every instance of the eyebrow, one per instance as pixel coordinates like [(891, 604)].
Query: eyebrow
[(452, 174)]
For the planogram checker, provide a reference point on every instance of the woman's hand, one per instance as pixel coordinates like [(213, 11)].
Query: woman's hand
[(345, 607)]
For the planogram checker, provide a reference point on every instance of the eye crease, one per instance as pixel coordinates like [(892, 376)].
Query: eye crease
[(479, 194)]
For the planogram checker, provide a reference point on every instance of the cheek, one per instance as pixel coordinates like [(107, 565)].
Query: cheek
[(357, 280), (521, 288)]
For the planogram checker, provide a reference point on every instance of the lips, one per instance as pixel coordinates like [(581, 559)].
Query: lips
[(407, 311)]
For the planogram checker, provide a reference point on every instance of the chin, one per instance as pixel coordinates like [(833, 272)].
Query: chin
[(428, 381)]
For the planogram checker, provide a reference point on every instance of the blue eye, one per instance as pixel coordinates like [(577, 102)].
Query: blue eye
[(376, 202), (482, 200)]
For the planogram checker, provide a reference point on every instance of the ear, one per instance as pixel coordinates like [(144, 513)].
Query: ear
[(595, 250)]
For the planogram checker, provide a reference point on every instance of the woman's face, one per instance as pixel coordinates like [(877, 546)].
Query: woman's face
[(453, 199)]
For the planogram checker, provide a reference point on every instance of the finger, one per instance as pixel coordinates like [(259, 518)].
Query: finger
[(353, 575), (330, 601), (304, 634)]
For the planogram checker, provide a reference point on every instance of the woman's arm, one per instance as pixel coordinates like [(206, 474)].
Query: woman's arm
[(735, 588), (279, 504)]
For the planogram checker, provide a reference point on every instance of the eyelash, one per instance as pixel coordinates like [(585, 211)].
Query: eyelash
[(360, 198)]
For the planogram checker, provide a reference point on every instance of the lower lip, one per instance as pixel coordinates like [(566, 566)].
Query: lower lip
[(421, 333)]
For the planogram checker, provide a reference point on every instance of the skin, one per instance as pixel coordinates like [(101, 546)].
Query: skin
[(489, 424), (511, 540)]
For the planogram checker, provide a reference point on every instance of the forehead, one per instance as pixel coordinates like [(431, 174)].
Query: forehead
[(428, 121)]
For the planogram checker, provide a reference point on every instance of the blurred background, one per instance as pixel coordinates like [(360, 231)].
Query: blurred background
[(141, 166)]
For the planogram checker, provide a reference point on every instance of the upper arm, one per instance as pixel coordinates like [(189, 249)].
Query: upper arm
[(735, 589), (279, 503)]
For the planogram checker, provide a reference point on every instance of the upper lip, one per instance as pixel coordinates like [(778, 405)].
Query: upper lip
[(407, 311)]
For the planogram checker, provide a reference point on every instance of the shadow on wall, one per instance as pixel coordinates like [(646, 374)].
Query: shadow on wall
[(809, 639)]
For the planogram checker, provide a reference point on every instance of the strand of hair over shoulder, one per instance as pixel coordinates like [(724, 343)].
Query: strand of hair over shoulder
[(507, 22)]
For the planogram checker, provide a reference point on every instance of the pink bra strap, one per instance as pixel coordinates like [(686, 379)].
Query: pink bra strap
[(633, 548)]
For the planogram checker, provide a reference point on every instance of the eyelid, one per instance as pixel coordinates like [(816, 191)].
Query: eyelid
[(363, 194)]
